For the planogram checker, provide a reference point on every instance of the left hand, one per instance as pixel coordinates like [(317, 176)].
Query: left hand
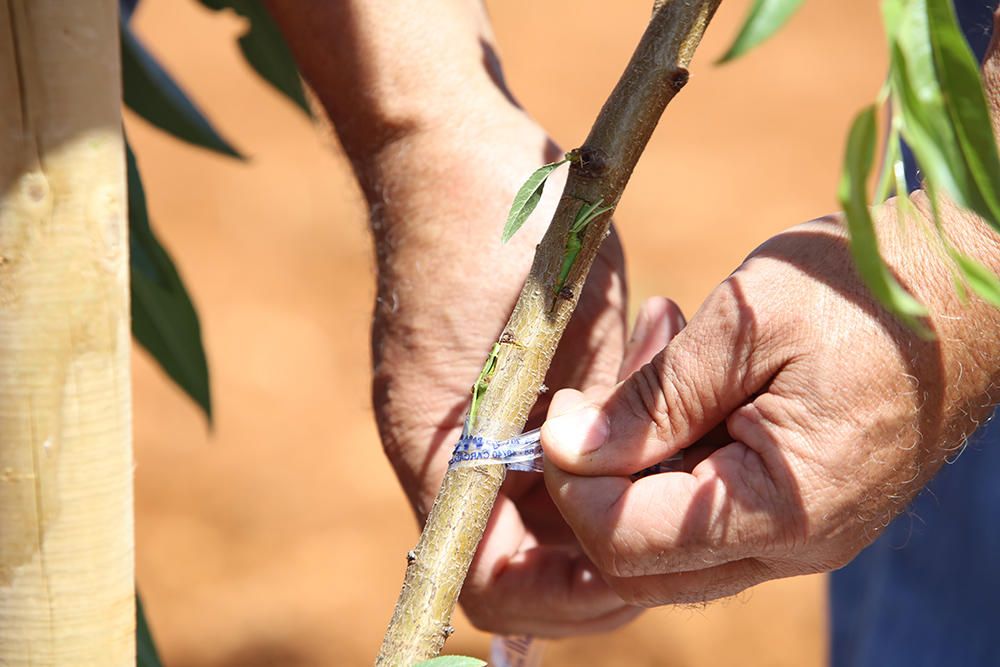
[(446, 287)]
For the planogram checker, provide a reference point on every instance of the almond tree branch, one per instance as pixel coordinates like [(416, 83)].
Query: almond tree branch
[(438, 565)]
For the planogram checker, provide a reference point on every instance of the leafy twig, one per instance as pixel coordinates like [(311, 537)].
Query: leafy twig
[(434, 576)]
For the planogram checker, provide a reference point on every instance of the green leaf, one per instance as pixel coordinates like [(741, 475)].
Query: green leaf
[(765, 18), (164, 320), (965, 102), (153, 94), (265, 49), (527, 199), (980, 278), (924, 125), (452, 661), (586, 214), (864, 244), (941, 106), (145, 649)]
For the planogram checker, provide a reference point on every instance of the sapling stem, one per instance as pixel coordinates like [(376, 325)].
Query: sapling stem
[(519, 361)]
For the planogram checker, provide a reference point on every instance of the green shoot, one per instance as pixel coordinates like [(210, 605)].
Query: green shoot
[(483, 382), (584, 216)]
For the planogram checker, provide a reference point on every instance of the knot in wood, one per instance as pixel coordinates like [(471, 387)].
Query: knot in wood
[(679, 78), (593, 162)]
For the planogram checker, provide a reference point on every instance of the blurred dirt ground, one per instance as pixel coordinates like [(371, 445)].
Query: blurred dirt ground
[(277, 537)]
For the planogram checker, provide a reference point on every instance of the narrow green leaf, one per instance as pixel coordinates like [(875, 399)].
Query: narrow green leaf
[(587, 214), (924, 125), (864, 243), (527, 199), (265, 49), (152, 93), (892, 13), (452, 661), (980, 278), (765, 18), (964, 100), (145, 649), (943, 112), (164, 320)]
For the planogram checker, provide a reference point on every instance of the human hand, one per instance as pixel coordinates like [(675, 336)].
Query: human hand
[(446, 287), (831, 417), (418, 102)]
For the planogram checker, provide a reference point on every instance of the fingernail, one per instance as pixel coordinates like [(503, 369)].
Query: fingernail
[(579, 432)]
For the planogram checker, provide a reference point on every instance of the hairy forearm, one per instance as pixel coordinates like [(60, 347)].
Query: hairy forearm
[(385, 69)]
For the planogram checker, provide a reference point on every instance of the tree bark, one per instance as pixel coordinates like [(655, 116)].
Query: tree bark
[(66, 537), (438, 565)]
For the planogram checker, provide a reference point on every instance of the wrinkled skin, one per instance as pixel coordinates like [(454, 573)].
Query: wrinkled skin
[(827, 417), (807, 415)]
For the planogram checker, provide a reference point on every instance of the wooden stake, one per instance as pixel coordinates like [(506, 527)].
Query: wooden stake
[(66, 537)]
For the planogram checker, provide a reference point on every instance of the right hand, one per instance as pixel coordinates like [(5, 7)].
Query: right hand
[(832, 415)]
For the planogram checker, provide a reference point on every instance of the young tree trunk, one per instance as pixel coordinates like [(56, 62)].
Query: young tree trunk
[(436, 568), (66, 539)]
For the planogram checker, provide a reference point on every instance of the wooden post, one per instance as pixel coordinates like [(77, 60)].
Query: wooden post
[(66, 537)]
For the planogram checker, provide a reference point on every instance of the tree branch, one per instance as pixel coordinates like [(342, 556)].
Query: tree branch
[(434, 576)]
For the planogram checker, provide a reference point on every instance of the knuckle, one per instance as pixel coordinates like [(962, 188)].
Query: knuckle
[(665, 398), (680, 401), (646, 399), (716, 350)]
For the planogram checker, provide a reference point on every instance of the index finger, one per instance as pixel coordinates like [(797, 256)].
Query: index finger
[(726, 509)]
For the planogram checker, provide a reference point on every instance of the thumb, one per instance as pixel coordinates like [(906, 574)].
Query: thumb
[(707, 371)]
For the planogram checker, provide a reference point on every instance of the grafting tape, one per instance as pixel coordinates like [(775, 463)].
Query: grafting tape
[(523, 453)]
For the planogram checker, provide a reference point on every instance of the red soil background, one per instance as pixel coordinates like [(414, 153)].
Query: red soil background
[(277, 537)]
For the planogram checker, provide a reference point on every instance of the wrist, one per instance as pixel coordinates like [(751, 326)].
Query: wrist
[(966, 349)]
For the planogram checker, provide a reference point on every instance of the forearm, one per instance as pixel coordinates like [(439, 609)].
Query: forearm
[(385, 69)]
